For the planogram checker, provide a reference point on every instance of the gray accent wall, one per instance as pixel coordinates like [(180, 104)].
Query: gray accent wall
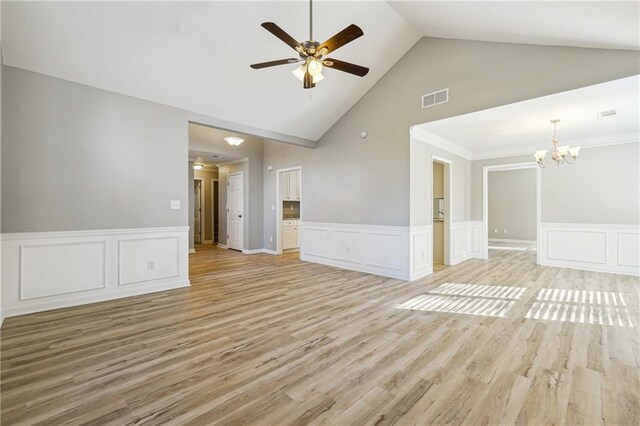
[(511, 204)]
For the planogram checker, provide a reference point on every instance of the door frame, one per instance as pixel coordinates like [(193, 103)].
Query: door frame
[(485, 201), (213, 210), (279, 205), (202, 211), (244, 210), (447, 176)]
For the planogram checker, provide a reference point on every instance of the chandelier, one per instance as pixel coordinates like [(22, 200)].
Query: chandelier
[(558, 153)]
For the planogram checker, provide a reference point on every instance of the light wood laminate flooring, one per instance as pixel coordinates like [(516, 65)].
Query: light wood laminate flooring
[(271, 340)]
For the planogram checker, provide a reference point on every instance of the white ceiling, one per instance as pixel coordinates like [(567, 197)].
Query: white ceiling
[(606, 24), (209, 159), (196, 55), (523, 127)]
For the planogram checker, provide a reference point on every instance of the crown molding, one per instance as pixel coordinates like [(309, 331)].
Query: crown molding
[(429, 138), (582, 143), (438, 142)]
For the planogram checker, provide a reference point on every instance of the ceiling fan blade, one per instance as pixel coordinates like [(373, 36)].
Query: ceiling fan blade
[(282, 35), (345, 67), (274, 63), (345, 36)]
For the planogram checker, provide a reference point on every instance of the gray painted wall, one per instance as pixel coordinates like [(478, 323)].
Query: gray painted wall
[(602, 187), (78, 158), (512, 204)]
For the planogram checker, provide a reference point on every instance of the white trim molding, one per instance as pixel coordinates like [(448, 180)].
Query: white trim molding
[(591, 247), (466, 241), (429, 138), (50, 270), (421, 251), (376, 249)]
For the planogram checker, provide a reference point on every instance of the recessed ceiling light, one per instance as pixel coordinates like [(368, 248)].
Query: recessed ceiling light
[(197, 167)]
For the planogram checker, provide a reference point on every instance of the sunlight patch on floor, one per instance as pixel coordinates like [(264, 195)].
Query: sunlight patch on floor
[(581, 307), (470, 299)]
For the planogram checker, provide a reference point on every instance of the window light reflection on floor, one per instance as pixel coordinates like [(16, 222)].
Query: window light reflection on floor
[(581, 307), (470, 299)]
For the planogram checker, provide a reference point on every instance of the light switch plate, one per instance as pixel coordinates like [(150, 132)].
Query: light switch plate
[(175, 204)]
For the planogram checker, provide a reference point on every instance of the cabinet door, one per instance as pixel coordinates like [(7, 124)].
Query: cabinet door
[(294, 185), (284, 185), (289, 238), (298, 236)]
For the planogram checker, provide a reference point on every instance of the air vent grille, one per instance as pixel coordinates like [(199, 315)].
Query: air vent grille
[(435, 98), (610, 113)]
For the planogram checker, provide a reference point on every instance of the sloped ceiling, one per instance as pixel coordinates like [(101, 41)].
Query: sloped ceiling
[(196, 55), (600, 24)]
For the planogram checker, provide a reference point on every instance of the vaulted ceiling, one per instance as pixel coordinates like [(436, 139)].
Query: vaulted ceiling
[(196, 55)]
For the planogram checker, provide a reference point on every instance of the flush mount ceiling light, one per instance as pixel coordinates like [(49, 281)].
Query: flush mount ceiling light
[(234, 140), (197, 166), (311, 53), (558, 153)]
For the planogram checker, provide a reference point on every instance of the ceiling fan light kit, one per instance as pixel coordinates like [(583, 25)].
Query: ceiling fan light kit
[(557, 153), (311, 53)]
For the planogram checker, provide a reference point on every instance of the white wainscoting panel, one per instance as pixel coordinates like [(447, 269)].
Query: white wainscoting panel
[(147, 259), (466, 239), (421, 251), (591, 247), (60, 268), (49, 270), (380, 250)]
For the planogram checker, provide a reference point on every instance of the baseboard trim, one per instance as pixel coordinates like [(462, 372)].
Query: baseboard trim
[(399, 275), (104, 297), (207, 242), (253, 251), (507, 240), (192, 250), (268, 251), (222, 246), (420, 274)]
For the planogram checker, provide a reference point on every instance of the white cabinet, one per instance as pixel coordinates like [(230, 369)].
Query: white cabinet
[(290, 185), (290, 234), (289, 238)]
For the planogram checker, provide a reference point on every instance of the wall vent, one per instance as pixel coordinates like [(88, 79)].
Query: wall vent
[(435, 98), (610, 113)]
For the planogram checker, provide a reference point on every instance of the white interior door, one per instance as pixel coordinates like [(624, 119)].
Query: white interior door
[(235, 219)]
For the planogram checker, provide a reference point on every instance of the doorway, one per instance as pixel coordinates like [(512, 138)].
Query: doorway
[(235, 211), (511, 199), (441, 212), (288, 214), (198, 211)]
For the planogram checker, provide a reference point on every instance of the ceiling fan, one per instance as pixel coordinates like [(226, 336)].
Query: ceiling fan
[(311, 53)]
